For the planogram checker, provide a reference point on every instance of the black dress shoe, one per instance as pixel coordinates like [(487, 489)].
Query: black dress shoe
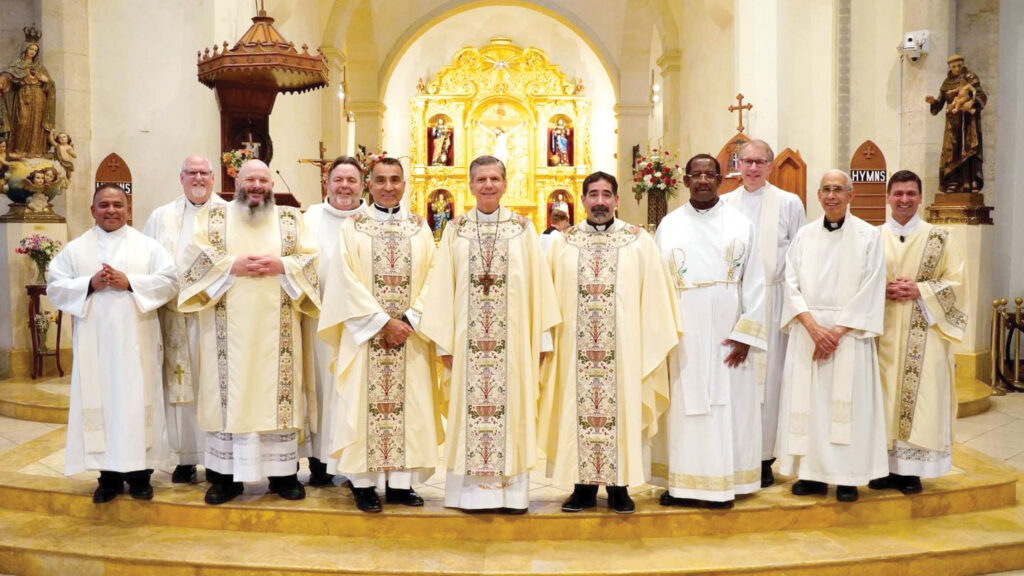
[(847, 493), (514, 511), (619, 500), (140, 489), (184, 474), (583, 496), (714, 505), (367, 499), (110, 485), (667, 499), (224, 490), (318, 475), (407, 497), (767, 476), (910, 485), (287, 487), (809, 487), (890, 482)]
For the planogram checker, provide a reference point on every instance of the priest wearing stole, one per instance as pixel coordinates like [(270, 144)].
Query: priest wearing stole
[(602, 399), (925, 292), (384, 426), (777, 215), (112, 280), (831, 423), (488, 302), (713, 431), (172, 226), (253, 275), (324, 222)]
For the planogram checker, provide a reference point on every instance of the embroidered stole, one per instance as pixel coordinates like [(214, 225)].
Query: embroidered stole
[(87, 263), (805, 369), (487, 343), (596, 352), (385, 383), (917, 338)]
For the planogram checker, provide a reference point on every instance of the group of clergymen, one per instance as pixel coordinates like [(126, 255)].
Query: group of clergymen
[(244, 336)]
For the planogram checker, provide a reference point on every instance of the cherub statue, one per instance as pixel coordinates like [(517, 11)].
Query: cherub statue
[(63, 151), (964, 100)]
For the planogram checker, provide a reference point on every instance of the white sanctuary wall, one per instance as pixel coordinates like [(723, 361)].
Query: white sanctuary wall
[(1008, 197)]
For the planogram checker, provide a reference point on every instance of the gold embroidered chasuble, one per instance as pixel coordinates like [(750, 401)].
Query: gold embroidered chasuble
[(488, 301), (385, 415), (251, 379), (608, 385), (914, 356)]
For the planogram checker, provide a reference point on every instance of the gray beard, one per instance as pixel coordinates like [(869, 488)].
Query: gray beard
[(256, 213)]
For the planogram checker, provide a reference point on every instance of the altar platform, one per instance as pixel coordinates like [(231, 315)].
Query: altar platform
[(968, 522)]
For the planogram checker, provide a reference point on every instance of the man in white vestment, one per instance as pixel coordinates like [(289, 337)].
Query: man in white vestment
[(253, 275), (559, 223), (831, 420), (924, 317), (112, 280), (713, 431), (384, 429), (324, 221), (608, 386), (488, 301), (776, 215), (172, 226)]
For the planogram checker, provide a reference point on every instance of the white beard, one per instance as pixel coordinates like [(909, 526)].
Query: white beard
[(256, 213)]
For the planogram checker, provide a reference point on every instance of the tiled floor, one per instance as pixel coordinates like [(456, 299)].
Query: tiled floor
[(999, 432)]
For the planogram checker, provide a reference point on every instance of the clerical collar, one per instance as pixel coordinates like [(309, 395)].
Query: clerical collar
[(343, 213), (757, 192), (115, 234), (492, 217), (601, 227), (903, 230), (387, 210), (833, 226), (706, 208)]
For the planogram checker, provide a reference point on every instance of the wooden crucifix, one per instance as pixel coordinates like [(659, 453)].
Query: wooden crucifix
[(324, 164), (739, 110)]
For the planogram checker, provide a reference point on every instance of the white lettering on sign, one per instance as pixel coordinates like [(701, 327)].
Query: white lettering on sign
[(126, 186), (869, 176)]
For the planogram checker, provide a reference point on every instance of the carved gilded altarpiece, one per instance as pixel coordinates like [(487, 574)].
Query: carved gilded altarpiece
[(501, 100)]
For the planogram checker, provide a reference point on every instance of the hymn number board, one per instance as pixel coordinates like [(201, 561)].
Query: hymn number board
[(868, 171), (114, 170)]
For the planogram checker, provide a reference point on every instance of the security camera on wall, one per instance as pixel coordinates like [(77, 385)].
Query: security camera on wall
[(915, 44)]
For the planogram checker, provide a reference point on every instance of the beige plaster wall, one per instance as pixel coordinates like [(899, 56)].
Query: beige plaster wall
[(1007, 195)]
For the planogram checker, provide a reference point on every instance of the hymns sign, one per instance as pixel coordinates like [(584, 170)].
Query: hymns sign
[(869, 176)]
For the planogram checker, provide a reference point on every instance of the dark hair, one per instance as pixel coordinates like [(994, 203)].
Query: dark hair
[(596, 176), (388, 161), (108, 186), (559, 216), (718, 167), (904, 176), (345, 160), (486, 161)]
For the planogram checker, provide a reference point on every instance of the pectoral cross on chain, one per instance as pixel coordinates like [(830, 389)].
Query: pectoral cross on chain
[(487, 280), (179, 373)]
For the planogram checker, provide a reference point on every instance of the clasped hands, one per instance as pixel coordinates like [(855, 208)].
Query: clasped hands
[(902, 289), (109, 277), (257, 266), (395, 333)]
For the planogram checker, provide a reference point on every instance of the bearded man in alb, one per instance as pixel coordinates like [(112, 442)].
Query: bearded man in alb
[(924, 317), (172, 225), (112, 280), (608, 385), (253, 276), (831, 420)]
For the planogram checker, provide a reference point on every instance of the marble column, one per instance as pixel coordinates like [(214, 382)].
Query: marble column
[(632, 119), (757, 65)]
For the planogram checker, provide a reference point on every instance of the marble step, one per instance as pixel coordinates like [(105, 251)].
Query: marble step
[(977, 542), (39, 401), (978, 484)]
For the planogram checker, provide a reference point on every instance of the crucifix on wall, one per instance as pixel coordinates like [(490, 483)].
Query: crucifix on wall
[(739, 110), (323, 163), (252, 146)]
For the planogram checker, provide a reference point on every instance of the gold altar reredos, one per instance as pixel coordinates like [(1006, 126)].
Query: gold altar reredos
[(501, 100)]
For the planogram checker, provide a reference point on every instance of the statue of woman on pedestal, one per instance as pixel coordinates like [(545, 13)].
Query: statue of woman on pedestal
[(28, 107)]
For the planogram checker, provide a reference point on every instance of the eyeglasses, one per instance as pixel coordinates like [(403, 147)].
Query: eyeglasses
[(753, 162), (837, 190), (703, 176), (194, 173)]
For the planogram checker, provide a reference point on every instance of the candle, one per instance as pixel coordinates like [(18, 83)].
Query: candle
[(351, 148)]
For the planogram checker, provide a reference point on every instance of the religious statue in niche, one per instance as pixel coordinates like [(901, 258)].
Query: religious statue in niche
[(439, 139), (36, 160), (440, 210), (560, 143), (960, 166), (561, 201)]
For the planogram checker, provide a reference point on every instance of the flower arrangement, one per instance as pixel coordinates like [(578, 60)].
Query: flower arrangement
[(234, 160), (656, 172), (367, 160), (41, 249)]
